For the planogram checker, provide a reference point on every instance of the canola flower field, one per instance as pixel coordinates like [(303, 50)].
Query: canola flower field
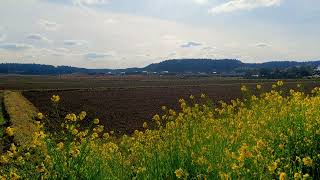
[(274, 135)]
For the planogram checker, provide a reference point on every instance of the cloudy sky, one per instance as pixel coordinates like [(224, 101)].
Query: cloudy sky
[(127, 33)]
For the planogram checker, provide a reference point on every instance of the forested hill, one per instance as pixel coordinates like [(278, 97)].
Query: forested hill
[(223, 65), (40, 69), (170, 66), (195, 65)]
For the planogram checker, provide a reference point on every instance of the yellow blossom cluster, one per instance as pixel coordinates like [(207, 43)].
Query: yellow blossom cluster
[(55, 98)]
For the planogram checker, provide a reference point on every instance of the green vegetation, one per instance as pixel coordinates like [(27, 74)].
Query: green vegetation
[(266, 136)]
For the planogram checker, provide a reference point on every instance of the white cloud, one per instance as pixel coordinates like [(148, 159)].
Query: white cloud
[(49, 25), (74, 42), (2, 37), (243, 5), (37, 37), (15, 46), (201, 2), (190, 44), (111, 21)]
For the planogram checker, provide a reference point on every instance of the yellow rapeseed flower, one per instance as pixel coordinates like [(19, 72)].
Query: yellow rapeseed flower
[(306, 176), (94, 135), (281, 146), (20, 160), (10, 131), (156, 117), (141, 170), (181, 101), (106, 136), (27, 155), (179, 173), (273, 167), (203, 96), (297, 176), (145, 125), (279, 83), (224, 176), (4, 159), (13, 147), (41, 168), (191, 97), (307, 161), (74, 152), (75, 131), (244, 88), (259, 86), (71, 117), (14, 176), (82, 115), (282, 176), (96, 121), (40, 116), (55, 98), (98, 129), (172, 112), (2, 177), (60, 145)]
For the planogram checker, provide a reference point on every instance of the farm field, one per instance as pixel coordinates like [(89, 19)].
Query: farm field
[(29, 82), (124, 106)]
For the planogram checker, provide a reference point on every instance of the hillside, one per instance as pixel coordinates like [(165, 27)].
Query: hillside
[(196, 65), (178, 66)]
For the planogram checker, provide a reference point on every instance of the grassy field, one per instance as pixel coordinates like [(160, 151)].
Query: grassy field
[(21, 114), (2, 119)]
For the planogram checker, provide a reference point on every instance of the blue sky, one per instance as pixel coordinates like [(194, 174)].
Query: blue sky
[(127, 33)]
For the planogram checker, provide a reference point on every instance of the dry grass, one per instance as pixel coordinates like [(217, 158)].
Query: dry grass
[(21, 113), (2, 121)]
